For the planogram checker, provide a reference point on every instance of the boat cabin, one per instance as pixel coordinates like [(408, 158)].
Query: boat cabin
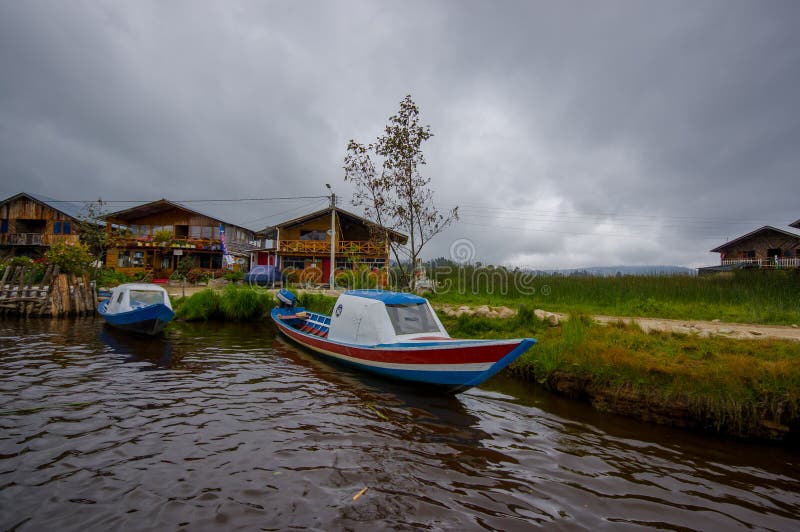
[(373, 317), (132, 296)]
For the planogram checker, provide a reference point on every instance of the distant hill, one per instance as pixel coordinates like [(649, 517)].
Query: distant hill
[(610, 271)]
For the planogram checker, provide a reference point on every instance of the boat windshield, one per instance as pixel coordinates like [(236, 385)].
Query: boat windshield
[(141, 298), (412, 319)]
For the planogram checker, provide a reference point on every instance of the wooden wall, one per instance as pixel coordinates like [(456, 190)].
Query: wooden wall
[(761, 243), (24, 208), (346, 228)]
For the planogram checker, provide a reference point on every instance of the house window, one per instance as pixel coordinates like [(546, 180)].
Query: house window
[(67, 228), (751, 254), (4, 226), (313, 235), (56, 228), (194, 231), (293, 263), (138, 259), (774, 252), (124, 259), (140, 230)]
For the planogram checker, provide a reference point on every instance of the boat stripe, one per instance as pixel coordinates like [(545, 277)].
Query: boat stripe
[(461, 356)]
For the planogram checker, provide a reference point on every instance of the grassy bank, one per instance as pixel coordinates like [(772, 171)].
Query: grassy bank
[(734, 387), (766, 297), (240, 303)]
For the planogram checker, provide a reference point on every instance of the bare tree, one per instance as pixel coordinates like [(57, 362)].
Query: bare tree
[(398, 197)]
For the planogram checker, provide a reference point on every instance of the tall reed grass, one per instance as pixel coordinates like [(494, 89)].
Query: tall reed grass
[(747, 296), (233, 304), (731, 386)]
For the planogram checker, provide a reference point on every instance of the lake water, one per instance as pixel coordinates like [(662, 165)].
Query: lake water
[(218, 427)]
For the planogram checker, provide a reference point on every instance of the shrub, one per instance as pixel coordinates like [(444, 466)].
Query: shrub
[(70, 258), (162, 235), (319, 303), (200, 306), (233, 276), (111, 277), (244, 303)]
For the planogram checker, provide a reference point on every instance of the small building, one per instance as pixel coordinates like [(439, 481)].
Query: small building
[(766, 247), (303, 245), (155, 236), (31, 223)]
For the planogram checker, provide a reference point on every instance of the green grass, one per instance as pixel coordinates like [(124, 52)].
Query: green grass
[(233, 304), (319, 303), (768, 297), (730, 386)]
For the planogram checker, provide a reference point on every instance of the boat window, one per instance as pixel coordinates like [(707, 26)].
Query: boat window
[(412, 319), (119, 299), (146, 297)]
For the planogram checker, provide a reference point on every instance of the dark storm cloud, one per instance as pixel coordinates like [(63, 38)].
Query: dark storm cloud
[(614, 132)]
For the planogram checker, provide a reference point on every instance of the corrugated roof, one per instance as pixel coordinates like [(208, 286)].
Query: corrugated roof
[(73, 210)]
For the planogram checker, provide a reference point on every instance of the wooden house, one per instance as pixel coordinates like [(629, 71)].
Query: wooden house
[(303, 245), (766, 247), (155, 236), (29, 224)]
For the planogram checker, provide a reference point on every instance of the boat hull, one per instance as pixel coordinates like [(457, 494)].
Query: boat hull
[(148, 320), (449, 364)]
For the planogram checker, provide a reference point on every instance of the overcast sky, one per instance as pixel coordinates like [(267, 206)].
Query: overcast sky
[(570, 133)]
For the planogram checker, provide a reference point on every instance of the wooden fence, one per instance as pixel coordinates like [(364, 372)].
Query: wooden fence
[(55, 294)]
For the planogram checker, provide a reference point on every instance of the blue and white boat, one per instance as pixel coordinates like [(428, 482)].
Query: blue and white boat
[(139, 307), (396, 335)]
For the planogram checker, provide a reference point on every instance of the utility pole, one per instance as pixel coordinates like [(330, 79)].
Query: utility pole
[(332, 231)]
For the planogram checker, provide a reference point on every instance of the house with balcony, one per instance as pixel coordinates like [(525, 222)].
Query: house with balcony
[(31, 223), (155, 236), (303, 245), (767, 247)]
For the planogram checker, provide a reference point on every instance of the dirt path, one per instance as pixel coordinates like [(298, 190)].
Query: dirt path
[(707, 328), (699, 327), (704, 328)]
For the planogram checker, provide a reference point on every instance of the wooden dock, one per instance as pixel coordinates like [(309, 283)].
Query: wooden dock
[(55, 294)]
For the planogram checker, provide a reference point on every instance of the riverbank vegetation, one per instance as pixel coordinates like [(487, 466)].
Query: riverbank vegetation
[(234, 303), (764, 297), (742, 388)]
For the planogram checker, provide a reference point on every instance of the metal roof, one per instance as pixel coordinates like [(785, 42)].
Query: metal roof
[(73, 210)]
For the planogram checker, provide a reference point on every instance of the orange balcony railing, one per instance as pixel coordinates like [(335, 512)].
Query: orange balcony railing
[(322, 247)]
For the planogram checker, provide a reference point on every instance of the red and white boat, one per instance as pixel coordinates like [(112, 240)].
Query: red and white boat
[(396, 335)]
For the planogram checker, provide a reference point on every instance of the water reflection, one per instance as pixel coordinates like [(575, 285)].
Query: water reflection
[(138, 348), (240, 429)]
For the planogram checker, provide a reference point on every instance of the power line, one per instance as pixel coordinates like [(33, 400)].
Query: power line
[(603, 215), (216, 200)]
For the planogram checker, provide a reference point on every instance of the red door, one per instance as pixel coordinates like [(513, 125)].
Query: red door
[(326, 270)]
